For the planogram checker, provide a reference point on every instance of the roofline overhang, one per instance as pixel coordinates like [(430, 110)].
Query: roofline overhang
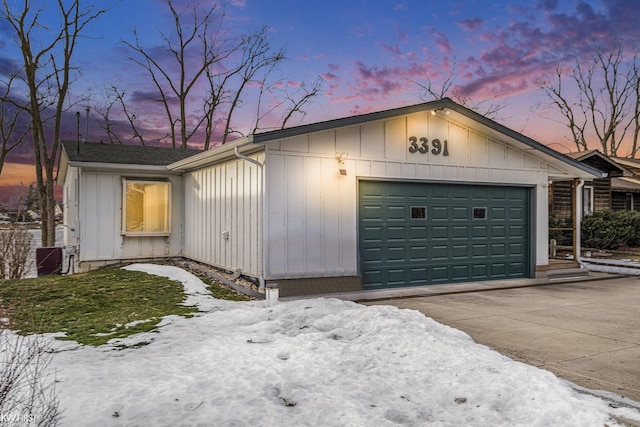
[(219, 154), (124, 167), (587, 172), (255, 143), (607, 159)]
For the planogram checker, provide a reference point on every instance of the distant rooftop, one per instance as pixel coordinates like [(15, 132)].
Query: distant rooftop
[(98, 152)]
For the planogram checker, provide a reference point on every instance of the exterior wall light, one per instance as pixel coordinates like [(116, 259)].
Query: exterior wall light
[(341, 168)]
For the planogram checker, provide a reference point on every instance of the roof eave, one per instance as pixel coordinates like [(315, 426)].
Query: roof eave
[(224, 152), (99, 166), (583, 171)]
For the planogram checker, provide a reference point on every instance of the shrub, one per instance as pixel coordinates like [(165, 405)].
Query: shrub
[(563, 237), (611, 229), (16, 245), (27, 389)]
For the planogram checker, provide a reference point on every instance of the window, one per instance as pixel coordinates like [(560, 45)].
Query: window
[(479, 213), (628, 201), (146, 207), (418, 212), (587, 201)]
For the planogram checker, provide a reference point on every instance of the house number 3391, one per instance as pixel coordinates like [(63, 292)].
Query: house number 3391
[(423, 146)]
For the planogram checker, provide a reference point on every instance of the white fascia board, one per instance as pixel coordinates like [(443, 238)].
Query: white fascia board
[(119, 167), (217, 155)]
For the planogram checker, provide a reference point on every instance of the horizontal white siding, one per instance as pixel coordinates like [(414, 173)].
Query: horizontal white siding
[(225, 198), (311, 208)]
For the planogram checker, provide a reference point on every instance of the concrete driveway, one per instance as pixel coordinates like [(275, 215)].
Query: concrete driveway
[(587, 332)]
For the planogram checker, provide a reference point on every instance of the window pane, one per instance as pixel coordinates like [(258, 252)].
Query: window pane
[(147, 207), (479, 213)]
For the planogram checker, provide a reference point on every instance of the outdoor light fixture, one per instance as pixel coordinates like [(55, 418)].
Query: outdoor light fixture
[(445, 110), (341, 157)]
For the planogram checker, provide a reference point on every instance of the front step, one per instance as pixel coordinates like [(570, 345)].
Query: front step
[(565, 273)]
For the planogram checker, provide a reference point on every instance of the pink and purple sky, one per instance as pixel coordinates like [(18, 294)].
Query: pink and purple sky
[(370, 53)]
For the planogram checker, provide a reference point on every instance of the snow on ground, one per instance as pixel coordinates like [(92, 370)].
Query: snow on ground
[(309, 363), (624, 266)]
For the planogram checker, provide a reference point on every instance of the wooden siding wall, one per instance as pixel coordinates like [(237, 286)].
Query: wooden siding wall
[(100, 222), (311, 208), (225, 198), (619, 201), (601, 194), (561, 198)]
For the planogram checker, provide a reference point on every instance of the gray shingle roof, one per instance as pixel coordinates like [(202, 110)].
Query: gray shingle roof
[(91, 152)]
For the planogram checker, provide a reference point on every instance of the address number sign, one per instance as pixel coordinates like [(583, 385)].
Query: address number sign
[(435, 146)]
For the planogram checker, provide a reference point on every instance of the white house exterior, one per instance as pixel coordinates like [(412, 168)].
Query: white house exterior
[(93, 176), (431, 193)]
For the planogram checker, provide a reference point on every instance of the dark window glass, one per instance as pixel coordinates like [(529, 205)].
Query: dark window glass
[(418, 212), (479, 213)]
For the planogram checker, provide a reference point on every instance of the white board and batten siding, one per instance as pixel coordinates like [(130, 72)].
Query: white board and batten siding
[(311, 210), (100, 217), (223, 215)]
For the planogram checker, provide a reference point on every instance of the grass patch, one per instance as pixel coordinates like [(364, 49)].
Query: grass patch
[(93, 307)]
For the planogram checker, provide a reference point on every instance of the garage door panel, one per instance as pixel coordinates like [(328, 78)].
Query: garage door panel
[(460, 232), (439, 232), (460, 251), (480, 250), (418, 254), (479, 232), (516, 248), (517, 268), (438, 274), (439, 213), (395, 213), (416, 234), (480, 271), (517, 232), (439, 253), (460, 272), (395, 233), (498, 231), (460, 213)]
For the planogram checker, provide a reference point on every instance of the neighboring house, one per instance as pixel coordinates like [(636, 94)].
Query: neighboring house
[(427, 194), (618, 190), (596, 193), (625, 190)]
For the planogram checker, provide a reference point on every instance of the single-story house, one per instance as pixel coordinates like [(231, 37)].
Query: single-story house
[(625, 190), (618, 190), (596, 194), (432, 193)]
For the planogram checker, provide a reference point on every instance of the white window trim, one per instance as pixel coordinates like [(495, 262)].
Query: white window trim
[(588, 205), (123, 220)]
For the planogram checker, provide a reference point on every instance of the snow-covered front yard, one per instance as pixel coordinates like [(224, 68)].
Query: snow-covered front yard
[(317, 362)]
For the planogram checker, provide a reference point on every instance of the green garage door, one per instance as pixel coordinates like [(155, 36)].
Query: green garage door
[(413, 234)]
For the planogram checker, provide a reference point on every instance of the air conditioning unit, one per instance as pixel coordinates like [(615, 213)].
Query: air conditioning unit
[(49, 260)]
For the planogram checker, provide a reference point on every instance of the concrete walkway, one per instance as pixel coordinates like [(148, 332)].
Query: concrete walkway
[(586, 331)]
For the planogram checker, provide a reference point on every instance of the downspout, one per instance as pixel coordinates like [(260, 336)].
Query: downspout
[(239, 155), (577, 238), (263, 288)]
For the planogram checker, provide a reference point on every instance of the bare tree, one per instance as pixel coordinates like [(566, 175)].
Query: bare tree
[(433, 90), (115, 97), (46, 74), (200, 55), (13, 120), (601, 100)]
